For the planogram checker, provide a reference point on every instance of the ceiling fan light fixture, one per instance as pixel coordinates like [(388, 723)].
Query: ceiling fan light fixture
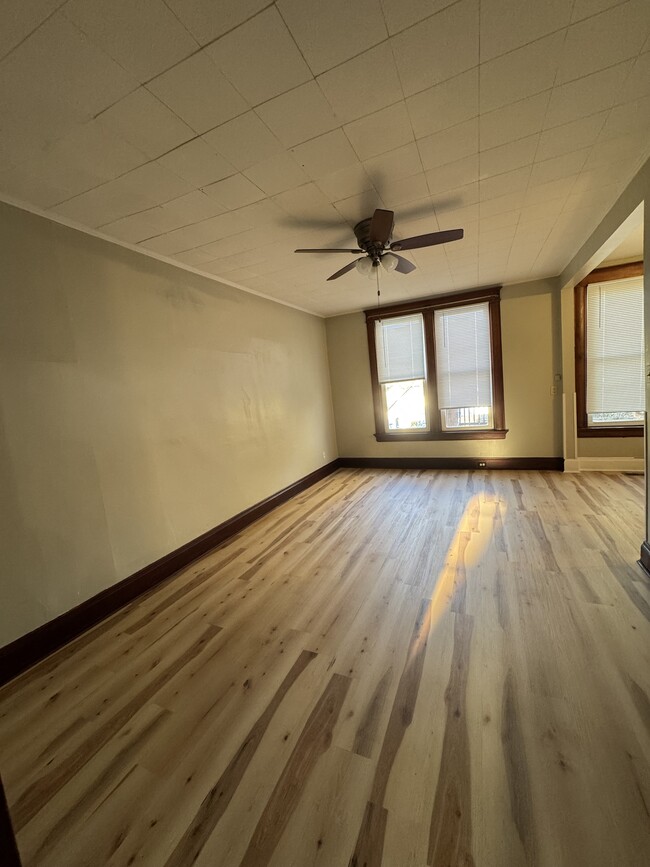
[(364, 266), (389, 261)]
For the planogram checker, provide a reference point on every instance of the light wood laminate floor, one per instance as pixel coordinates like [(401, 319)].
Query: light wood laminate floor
[(393, 668)]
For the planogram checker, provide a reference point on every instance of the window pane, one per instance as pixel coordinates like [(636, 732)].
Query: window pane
[(404, 401), (463, 356), (615, 418), (464, 417), (615, 366), (400, 348)]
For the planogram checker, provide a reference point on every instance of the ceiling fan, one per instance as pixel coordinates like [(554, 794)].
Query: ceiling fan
[(373, 236)]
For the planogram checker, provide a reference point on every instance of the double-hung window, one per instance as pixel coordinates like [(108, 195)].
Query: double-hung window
[(436, 368), (610, 380)]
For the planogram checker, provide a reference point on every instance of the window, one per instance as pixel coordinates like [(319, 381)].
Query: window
[(610, 381), (436, 368)]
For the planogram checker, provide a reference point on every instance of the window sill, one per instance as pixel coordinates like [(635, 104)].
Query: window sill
[(604, 432), (403, 436)]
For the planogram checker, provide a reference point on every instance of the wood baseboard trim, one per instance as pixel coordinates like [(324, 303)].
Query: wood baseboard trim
[(8, 845), (556, 464), (644, 557), (31, 648)]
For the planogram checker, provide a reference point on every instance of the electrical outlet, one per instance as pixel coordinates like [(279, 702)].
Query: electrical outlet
[(553, 390)]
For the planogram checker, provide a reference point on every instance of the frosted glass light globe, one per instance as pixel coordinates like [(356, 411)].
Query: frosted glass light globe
[(389, 261), (364, 266)]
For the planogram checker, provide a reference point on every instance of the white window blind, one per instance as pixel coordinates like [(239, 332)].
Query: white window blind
[(463, 361), (615, 363), (400, 348)]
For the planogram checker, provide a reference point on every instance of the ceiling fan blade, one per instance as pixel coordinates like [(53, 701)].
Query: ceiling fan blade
[(345, 269), (404, 266), (381, 226), (429, 240), (329, 250)]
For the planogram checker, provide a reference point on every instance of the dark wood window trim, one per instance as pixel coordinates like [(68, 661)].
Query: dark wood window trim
[(600, 275), (427, 307)]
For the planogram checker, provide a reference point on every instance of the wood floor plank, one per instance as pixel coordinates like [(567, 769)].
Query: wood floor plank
[(396, 668)]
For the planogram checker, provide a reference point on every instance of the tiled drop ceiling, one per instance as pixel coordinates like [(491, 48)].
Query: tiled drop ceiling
[(225, 134)]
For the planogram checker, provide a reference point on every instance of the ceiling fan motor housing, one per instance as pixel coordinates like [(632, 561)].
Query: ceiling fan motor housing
[(373, 248)]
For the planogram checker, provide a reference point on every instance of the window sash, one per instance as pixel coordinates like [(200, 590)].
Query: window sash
[(615, 346), (399, 343), (463, 356)]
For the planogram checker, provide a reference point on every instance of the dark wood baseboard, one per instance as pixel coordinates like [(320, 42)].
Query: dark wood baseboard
[(456, 463), (8, 845), (644, 557), (29, 649)]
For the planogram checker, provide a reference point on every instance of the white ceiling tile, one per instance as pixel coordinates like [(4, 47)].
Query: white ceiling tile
[(276, 174), (449, 145), (244, 141), (357, 208), (299, 115), (197, 163), (399, 163), (145, 37), (93, 150), (194, 258), (521, 73), (326, 154), (570, 136), (104, 204), (586, 8), (505, 184), (331, 33), (630, 117), (518, 120), (510, 24), (131, 229), (499, 221), (234, 192), (156, 182), (361, 85), (260, 58), (541, 211), (346, 182), (617, 151), (438, 48), (564, 166), (189, 208), (198, 93), (308, 203), (586, 96), (444, 105), (28, 185), (207, 20), (142, 188), (509, 156), (451, 218), (403, 191), (452, 175), (19, 19), (501, 204), (637, 83), (400, 14), (549, 191), (56, 72), (146, 123), (455, 200), (170, 243), (605, 39), (380, 132)]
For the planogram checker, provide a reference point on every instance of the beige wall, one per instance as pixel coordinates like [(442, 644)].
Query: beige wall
[(530, 323), (621, 218), (140, 405)]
